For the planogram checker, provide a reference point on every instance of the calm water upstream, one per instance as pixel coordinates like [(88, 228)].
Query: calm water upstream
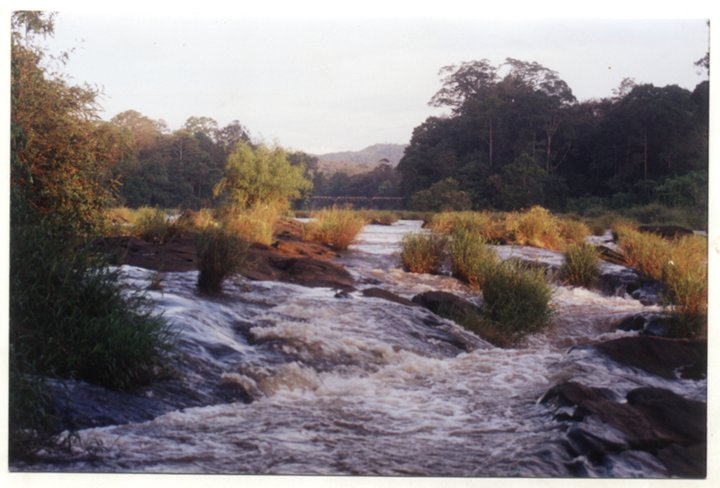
[(361, 385)]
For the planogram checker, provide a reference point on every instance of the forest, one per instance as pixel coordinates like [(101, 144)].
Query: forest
[(515, 137)]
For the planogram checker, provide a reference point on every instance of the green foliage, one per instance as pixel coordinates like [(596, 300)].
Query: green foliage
[(70, 316), (520, 184), (221, 253), (517, 299), (32, 421), (422, 252), (581, 264), (471, 258), (442, 196), (59, 147), (260, 176), (335, 227)]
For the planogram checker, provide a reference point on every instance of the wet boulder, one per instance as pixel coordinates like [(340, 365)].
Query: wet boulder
[(651, 324), (668, 358), (655, 421)]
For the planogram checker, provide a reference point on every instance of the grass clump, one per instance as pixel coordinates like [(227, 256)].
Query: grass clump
[(422, 252), (255, 224), (581, 264), (646, 252), (335, 227), (379, 217), (153, 225), (471, 258), (221, 253), (517, 299), (681, 265), (536, 227)]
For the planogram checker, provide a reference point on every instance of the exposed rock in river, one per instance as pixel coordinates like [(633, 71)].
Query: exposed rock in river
[(656, 421), (668, 358)]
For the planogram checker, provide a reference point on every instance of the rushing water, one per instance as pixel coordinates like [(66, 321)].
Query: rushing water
[(360, 385)]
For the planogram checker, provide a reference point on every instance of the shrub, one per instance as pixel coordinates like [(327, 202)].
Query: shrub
[(581, 264), (471, 258), (422, 253), (221, 253), (517, 299), (335, 227)]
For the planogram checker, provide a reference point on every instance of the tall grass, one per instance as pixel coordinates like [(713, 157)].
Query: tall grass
[(335, 227), (517, 299), (681, 265), (379, 217), (471, 258), (70, 318), (153, 225), (488, 226), (255, 224), (422, 252), (647, 252), (536, 227), (221, 253), (581, 264)]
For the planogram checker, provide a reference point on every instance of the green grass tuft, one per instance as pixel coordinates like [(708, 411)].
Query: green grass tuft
[(422, 252)]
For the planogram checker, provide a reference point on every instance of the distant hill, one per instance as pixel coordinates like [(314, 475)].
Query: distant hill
[(353, 162)]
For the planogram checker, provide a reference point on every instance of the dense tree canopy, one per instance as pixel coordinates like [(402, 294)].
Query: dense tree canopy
[(516, 136)]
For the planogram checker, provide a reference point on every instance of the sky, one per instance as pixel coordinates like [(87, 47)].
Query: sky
[(323, 83)]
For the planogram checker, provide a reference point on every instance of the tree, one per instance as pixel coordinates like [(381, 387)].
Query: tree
[(60, 150), (260, 176), (442, 196), (202, 125)]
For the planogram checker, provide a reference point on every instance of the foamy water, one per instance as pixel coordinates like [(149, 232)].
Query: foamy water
[(362, 385)]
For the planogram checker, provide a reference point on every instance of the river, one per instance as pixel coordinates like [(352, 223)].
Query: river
[(349, 384)]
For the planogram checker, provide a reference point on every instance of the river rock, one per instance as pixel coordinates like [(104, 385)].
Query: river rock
[(664, 357), (658, 325), (653, 420), (305, 271), (446, 304)]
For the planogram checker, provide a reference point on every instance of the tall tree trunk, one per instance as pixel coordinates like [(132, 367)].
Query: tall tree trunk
[(645, 155), (490, 149)]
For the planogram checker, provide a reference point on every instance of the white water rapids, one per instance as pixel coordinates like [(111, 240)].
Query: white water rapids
[(361, 385)]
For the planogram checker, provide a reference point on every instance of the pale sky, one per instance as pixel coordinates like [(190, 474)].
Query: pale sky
[(323, 84)]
